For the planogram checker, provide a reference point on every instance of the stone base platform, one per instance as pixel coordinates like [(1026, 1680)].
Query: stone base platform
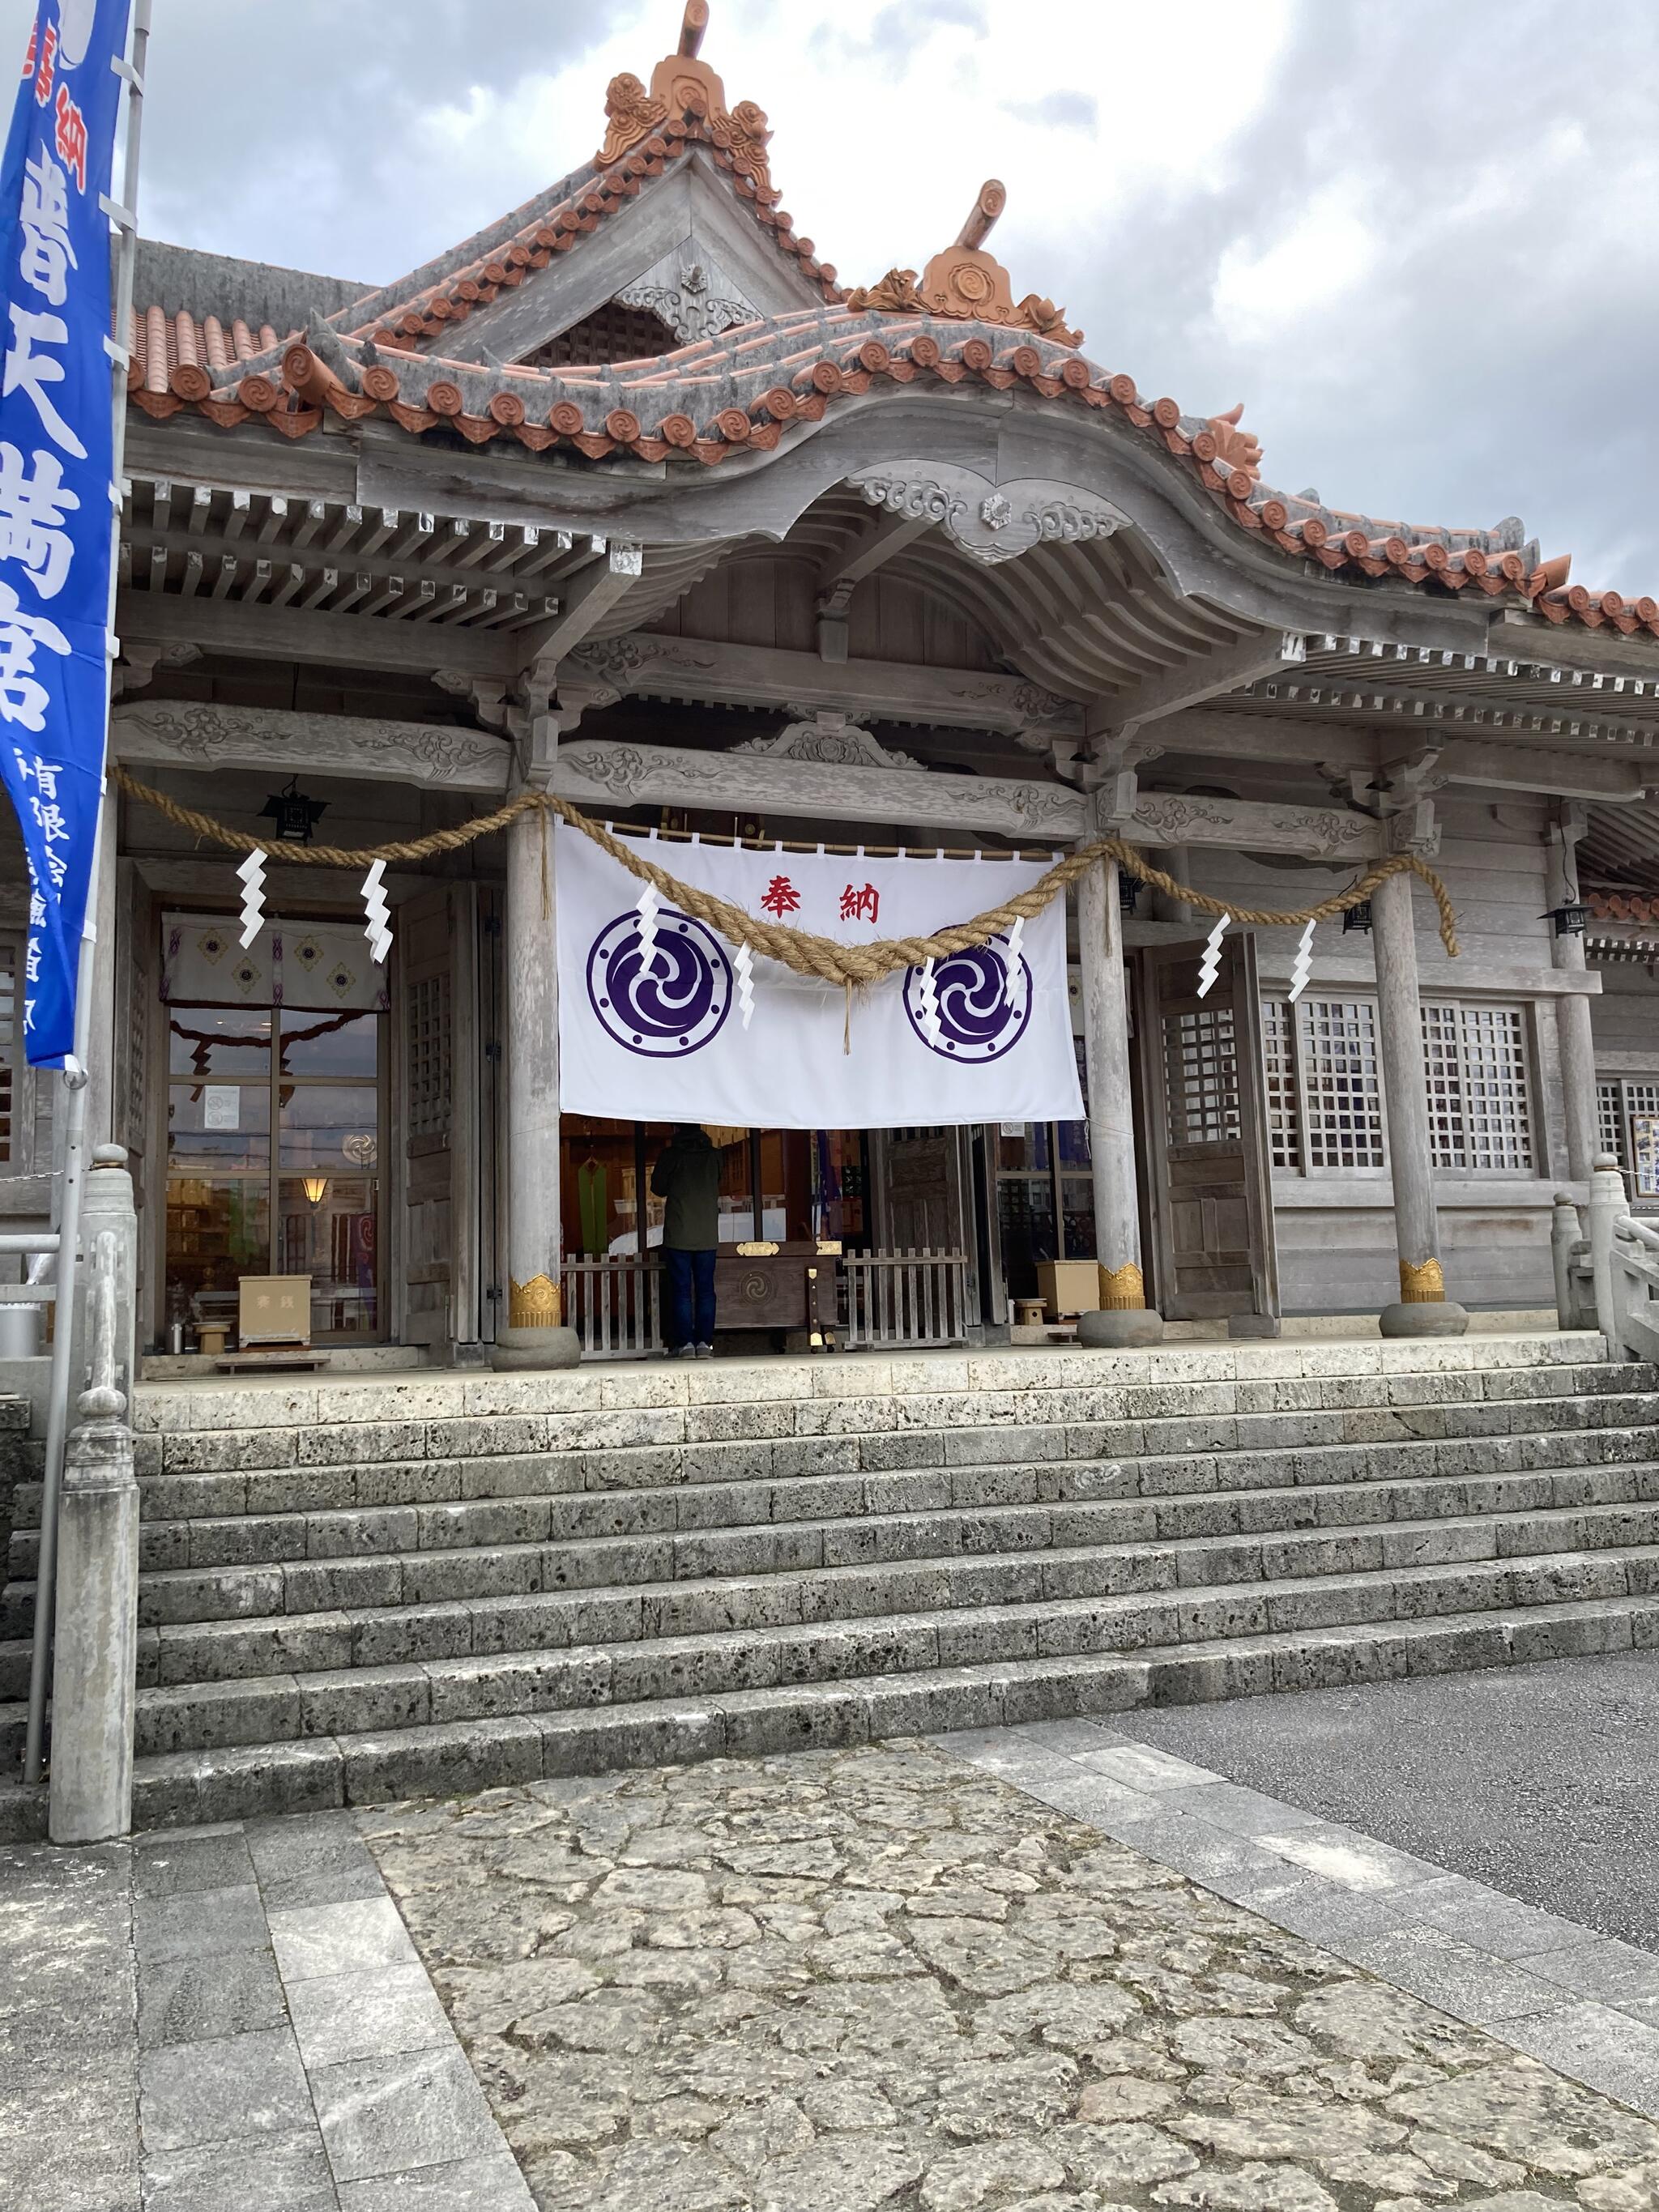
[(356, 1587)]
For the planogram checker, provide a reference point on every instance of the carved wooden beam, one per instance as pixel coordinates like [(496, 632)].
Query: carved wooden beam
[(1314, 833), (1207, 675), (816, 787), (765, 675), (190, 733)]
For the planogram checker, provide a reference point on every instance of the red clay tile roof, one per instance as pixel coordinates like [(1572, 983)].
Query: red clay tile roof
[(427, 313), (741, 391)]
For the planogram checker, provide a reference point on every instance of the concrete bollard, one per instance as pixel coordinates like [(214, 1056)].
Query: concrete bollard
[(1608, 1204), (94, 1661)]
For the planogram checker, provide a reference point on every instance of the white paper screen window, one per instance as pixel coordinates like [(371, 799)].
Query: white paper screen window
[(1200, 1059), (1479, 1106)]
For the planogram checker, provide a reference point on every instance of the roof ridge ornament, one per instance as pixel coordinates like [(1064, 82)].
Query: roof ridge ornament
[(966, 282), (685, 89)]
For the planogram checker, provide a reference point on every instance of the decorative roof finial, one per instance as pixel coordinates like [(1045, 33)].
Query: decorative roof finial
[(685, 91), (993, 198), (965, 280)]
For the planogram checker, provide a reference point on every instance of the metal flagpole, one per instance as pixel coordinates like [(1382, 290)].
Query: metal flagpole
[(72, 1091)]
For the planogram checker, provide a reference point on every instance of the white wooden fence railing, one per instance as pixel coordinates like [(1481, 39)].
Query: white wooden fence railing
[(894, 1298), (1623, 1256), (615, 1306)]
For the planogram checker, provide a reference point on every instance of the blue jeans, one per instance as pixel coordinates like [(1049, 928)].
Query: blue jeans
[(691, 1297)]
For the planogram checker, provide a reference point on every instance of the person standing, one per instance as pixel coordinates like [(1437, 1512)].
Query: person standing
[(687, 1176)]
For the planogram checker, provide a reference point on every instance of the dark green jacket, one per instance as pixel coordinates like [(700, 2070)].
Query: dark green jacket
[(688, 1175)]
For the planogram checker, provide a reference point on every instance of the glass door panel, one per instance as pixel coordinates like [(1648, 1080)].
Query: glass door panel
[(328, 1229)]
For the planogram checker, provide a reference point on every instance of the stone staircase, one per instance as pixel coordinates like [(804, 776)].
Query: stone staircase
[(357, 1591)]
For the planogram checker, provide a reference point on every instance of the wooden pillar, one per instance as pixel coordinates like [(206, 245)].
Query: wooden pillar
[(1423, 1308), (534, 1336), (1124, 1318), (1575, 1035)]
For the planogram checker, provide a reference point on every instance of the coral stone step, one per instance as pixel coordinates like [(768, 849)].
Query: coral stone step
[(181, 1788), (366, 1588), (372, 1636), (881, 1640)]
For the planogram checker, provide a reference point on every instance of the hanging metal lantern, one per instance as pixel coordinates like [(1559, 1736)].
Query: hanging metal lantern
[(295, 815), (1569, 920), (1128, 893), (1357, 918)]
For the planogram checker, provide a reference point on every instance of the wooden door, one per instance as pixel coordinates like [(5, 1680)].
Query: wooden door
[(437, 1093), (1209, 1196), (922, 1208)]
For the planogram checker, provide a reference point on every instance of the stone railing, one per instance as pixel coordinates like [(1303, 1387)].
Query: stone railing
[(1622, 1270)]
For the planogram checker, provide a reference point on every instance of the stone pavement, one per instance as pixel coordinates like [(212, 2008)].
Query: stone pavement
[(229, 2020), (848, 1979), (936, 1977)]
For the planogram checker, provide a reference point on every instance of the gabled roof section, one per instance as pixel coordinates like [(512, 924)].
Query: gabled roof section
[(647, 134)]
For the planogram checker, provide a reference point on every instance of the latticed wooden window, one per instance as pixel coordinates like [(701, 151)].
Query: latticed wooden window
[(1324, 1085), (1611, 1133), (427, 1029), (1200, 1059), (11, 1053), (1278, 1072), (614, 332), (1341, 1086), (1474, 1061), (1628, 1120)]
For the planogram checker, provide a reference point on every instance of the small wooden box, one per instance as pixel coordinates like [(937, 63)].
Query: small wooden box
[(1069, 1286), (274, 1309)]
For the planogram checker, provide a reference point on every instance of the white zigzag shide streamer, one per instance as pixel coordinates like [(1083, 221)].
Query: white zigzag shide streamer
[(252, 874), (1210, 966), (928, 994), (1011, 960), (378, 926), (1302, 966), (743, 966), (647, 910)]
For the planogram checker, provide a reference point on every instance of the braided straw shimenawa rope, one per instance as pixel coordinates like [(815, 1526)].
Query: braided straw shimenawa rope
[(845, 965)]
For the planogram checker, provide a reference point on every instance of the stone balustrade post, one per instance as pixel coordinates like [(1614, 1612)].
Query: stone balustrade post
[(95, 1654), (1608, 1204), (1566, 1233), (107, 1204)]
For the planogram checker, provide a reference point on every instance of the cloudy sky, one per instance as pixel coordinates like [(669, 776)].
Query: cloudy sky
[(1419, 244)]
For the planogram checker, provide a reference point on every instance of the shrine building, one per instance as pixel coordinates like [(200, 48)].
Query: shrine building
[(631, 498)]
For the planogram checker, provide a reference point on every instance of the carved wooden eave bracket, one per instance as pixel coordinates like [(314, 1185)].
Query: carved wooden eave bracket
[(967, 282), (683, 88), (990, 522)]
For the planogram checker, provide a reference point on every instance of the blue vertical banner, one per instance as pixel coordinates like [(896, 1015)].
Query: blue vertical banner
[(56, 492)]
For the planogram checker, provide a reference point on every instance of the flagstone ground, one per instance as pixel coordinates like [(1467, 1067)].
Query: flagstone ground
[(884, 1976), (976, 1974)]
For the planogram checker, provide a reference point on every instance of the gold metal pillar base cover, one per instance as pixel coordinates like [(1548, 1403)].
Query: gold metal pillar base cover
[(1122, 1289), (535, 1304), (1422, 1284)]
